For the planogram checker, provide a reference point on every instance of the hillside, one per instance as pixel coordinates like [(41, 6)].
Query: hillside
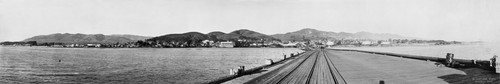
[(313, 34), (245, 34), (131, 37), (185, 37), (84, 38), (300, 35), (215, 36)]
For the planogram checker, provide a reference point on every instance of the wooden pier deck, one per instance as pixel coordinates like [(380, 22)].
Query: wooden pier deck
[(342, 67)]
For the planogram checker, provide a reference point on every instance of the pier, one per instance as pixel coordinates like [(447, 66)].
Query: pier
[(328, 66)]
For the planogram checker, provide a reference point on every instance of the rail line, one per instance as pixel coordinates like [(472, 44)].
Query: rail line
[(334, 72), (315, 67)]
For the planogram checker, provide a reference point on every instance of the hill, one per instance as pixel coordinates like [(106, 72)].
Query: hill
[(313, 34), (300, 35), (84, 38), (215, 36), (131, 37), (185, 37), (246, 34)]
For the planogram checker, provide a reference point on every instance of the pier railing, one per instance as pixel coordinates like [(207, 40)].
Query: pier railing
[(240, 71)]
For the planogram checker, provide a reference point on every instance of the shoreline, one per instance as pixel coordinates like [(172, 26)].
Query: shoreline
[(338, 46), (135, 47)]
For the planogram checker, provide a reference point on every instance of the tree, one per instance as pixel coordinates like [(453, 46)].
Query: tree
[(31, 43)]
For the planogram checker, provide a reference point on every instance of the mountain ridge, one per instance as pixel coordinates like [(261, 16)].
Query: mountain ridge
[(80, 38), (216, 36), (314, 34), (245, 34)]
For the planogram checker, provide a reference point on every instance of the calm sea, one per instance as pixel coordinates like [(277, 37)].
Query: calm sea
[(127, 65), (482, 51)]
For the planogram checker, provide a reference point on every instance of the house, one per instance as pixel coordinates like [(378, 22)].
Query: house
[(94, 45), (227, 44), (207, 43), (385, 42), (366, 43), (58, 46), (330, 43), (290, 45)]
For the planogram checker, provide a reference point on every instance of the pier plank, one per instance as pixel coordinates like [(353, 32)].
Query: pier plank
[(281, 72), (342, 67), (314, 68), (362, 68)]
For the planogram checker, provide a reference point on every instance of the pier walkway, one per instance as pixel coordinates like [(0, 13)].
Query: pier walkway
[(342, 67)]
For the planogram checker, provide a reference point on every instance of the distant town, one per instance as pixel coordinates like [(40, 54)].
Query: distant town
[(241, 43), (240, 38)]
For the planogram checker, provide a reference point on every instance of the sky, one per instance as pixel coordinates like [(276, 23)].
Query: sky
[(461, 20)]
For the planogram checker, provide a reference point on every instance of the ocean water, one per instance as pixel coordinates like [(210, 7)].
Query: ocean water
[(127, 65), (482, 51)]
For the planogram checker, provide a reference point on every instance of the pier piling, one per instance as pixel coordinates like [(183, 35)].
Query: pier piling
[(449, 59), (240, 70), (269, 61), (494, 63), (232, 72), (381, 82)]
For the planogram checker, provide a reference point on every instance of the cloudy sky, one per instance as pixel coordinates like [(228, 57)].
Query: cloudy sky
[(466, 20)]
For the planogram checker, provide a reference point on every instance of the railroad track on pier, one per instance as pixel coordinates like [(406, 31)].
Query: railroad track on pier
[(314, 67), (339, 79)]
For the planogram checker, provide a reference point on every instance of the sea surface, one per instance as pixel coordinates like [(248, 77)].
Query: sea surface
[(482, 51), (127, 65)]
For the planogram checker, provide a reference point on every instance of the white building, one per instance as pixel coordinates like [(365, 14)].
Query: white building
[(385, 43), (366, 43), (290, 45), (94, 45), (330, 43), (227, 44)]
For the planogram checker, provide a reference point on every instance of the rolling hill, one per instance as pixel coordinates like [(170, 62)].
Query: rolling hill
[(85, 38), (216, 36), (246, 34), (300, 35), (313, 34), (184, 37)]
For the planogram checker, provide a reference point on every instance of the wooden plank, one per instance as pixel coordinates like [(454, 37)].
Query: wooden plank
[(302, 73), (315, 68), (364, 68), (273, 76), (339, 79)]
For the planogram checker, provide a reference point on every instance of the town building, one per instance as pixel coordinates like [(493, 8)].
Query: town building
[(227, 44)]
